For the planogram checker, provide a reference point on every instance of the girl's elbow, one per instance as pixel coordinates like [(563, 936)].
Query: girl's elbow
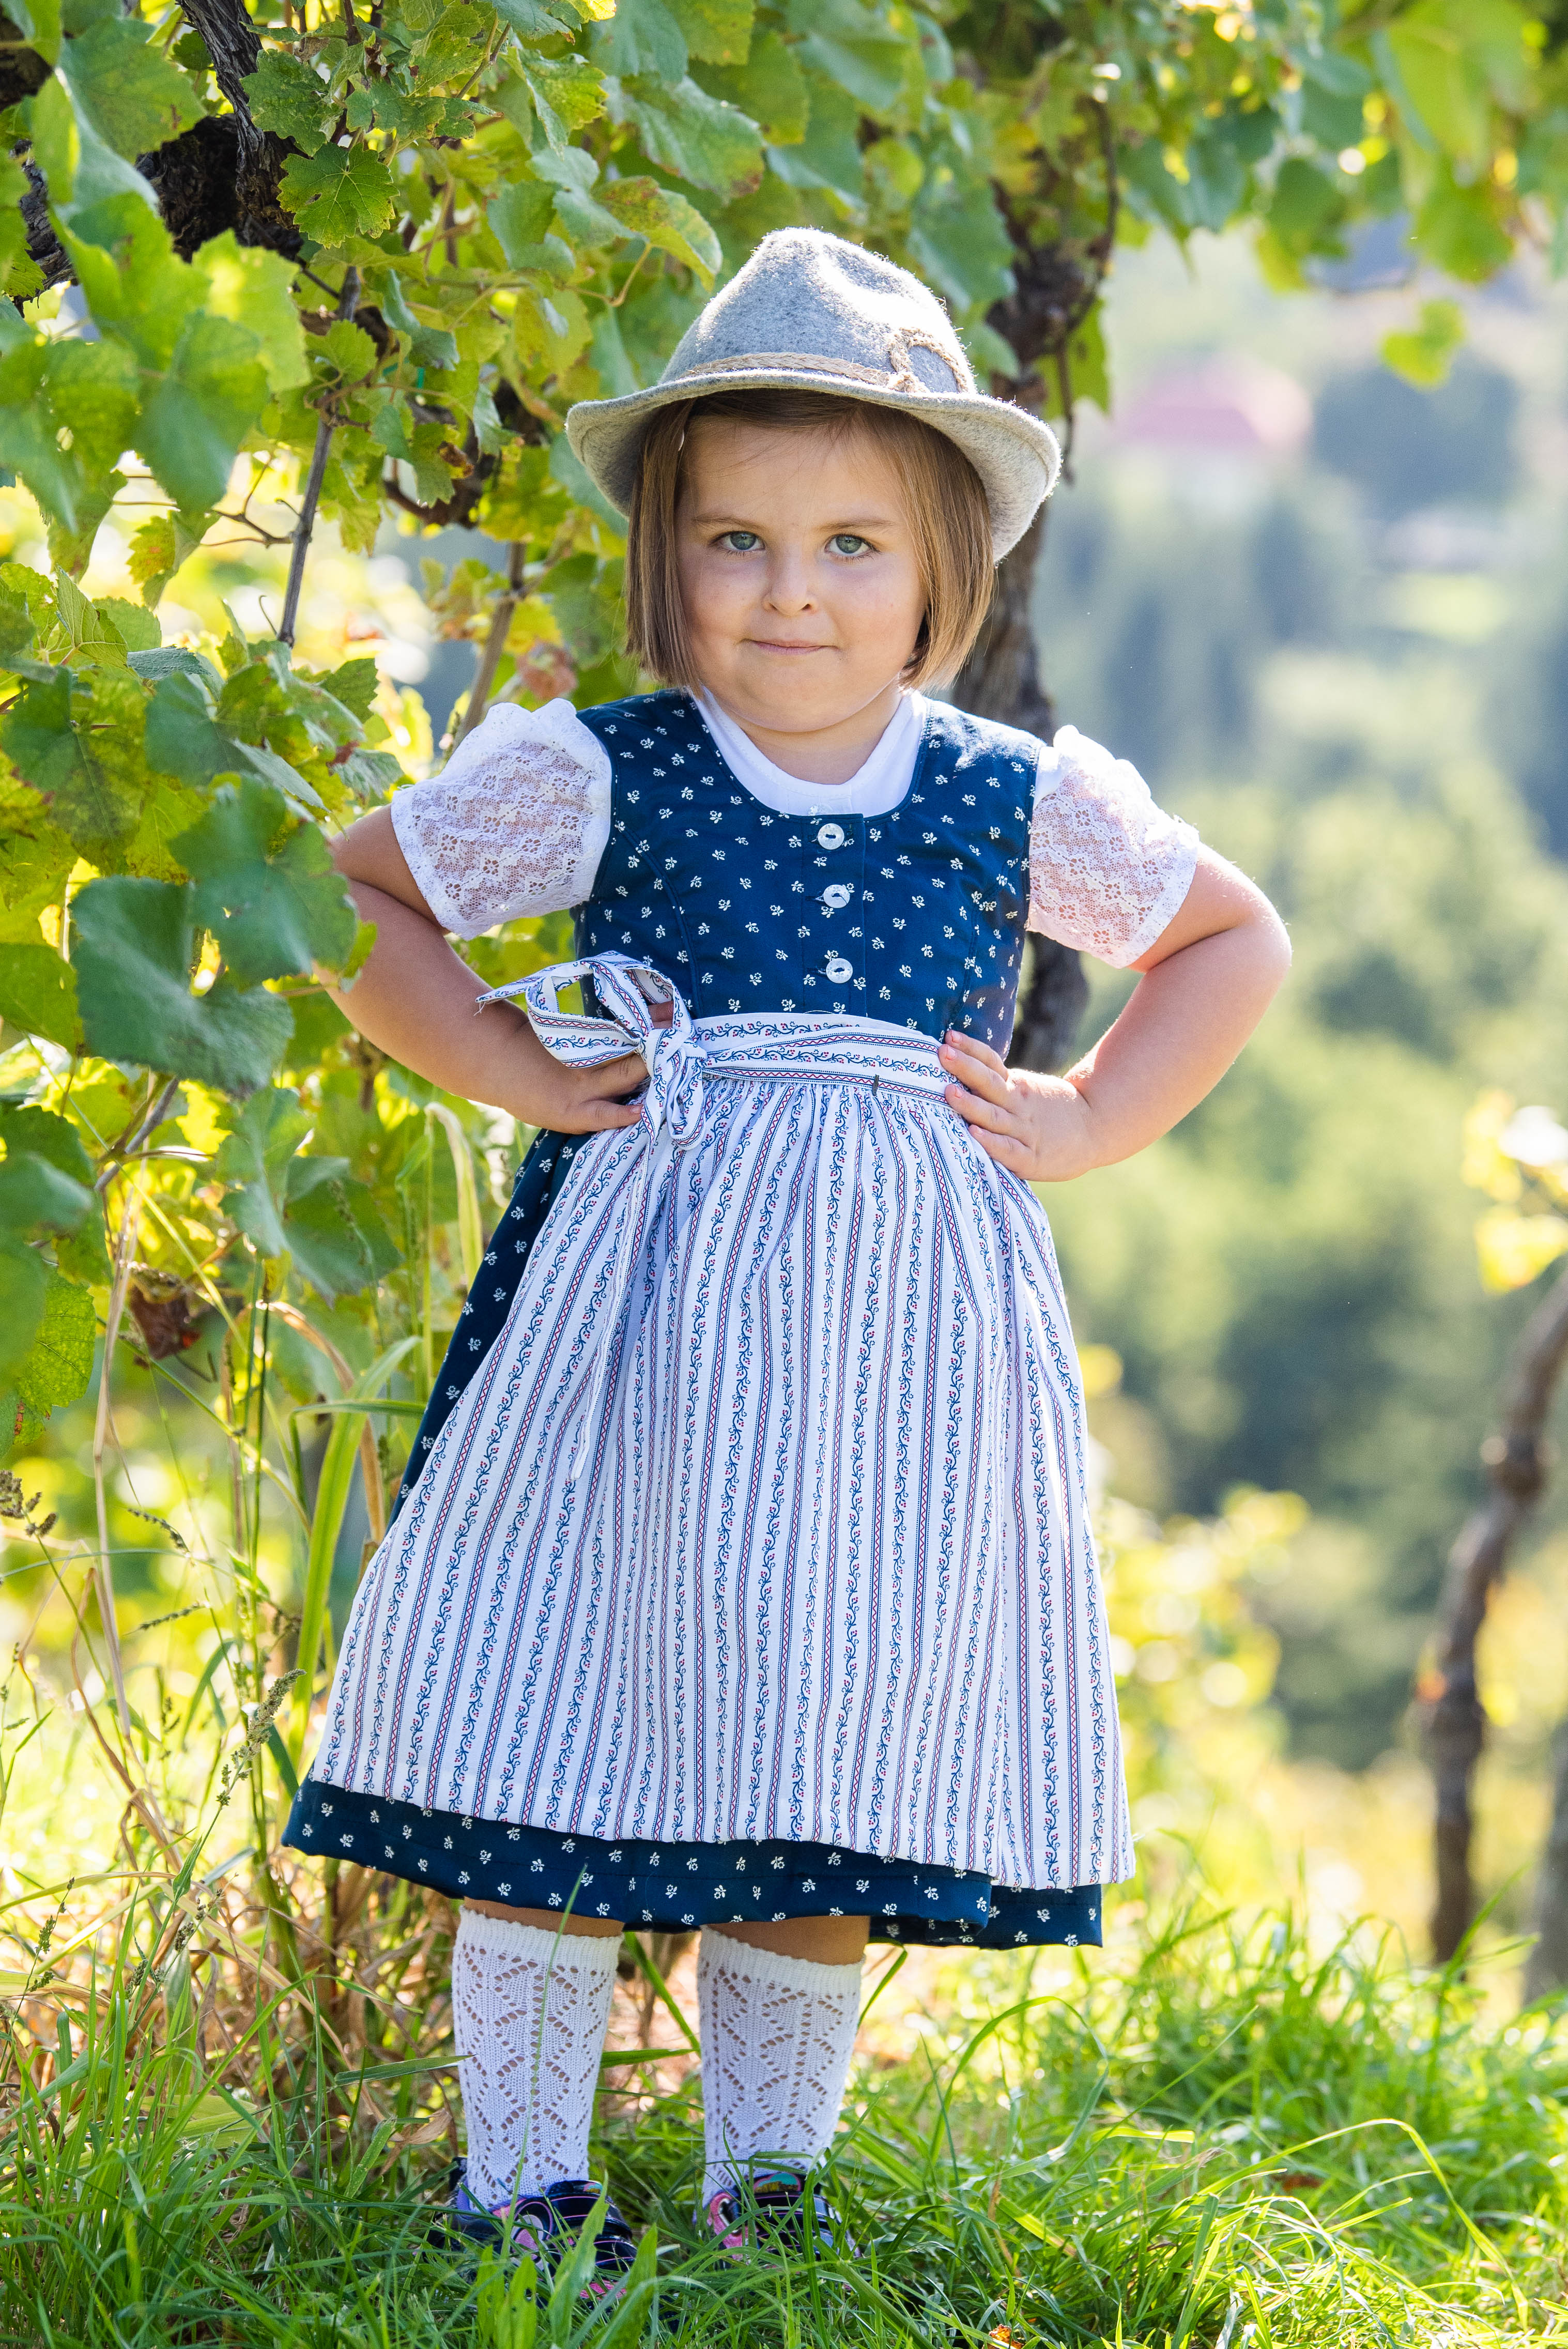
[(1275, 947)]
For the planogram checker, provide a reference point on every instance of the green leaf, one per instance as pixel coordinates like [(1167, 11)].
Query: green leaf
[(535, 22), (133, 624), (519, 217), (36, 1196), (17, 633), (346, 351), (29, 443), (44, 1133), (24, 1280), (255, 289), (287, 98), (56, 1366), (1462, 229), (307, 1208), (177, 660), (133, 950), (584, 594), (341, 192), (333, 1233), (1155, 191), (1305, 206), (184, 740), (717, 31), (698, 138), (93, 389), (353, 683), (93, 637), (1544, 157), (1333, 87), (139, 292), (39, 737), (769, 86), (1454, 58), (643, 36), (253, 1157), (20, 274), (667, 220), (1217, 176), (157, 548), (87, 181), (193, 422), (40, 21), (828, 156), (428, 346), (268, 889), (567, 93), (40, 1133), (849, 47), (958, 238), (38, 994), (1424, 354), (128, 91)]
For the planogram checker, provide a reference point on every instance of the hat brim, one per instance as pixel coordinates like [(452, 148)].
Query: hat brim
[(1015, 455)]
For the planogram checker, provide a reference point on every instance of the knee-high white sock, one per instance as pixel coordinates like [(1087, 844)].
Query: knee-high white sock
[(776, 2037), (529, 2014)]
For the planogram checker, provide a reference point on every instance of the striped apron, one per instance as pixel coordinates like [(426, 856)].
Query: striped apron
[(765, 1516)]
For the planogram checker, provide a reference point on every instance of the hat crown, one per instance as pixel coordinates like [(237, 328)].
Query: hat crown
[(820, 303)]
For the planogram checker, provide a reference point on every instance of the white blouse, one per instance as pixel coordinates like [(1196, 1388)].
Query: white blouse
[(518, 820)]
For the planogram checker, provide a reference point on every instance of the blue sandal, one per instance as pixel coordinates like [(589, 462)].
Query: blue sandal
[(771, 2213), (543, 2226)]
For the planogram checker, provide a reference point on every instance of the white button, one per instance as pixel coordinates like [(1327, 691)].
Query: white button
[(832, 836), (837, 896), (838, 969)]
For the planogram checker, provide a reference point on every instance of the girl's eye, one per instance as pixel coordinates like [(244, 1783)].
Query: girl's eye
[(740, 542), (846, 543)]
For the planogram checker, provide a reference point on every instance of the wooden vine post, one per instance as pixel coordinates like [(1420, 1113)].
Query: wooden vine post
[(1454, 1718)]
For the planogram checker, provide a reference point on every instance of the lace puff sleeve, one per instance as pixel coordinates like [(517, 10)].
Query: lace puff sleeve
[(515, 822), (1107, 868)]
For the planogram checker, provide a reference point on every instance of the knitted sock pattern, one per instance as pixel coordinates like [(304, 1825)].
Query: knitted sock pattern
[(776, 2037), (529, 2013)]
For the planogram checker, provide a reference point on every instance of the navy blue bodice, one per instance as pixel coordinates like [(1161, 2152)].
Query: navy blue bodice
[(916, 916)]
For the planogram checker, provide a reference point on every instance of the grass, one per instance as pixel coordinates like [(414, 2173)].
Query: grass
[(227, 2100), (1216, 2138)]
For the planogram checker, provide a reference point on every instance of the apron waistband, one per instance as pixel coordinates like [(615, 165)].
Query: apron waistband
[(680, 1056)]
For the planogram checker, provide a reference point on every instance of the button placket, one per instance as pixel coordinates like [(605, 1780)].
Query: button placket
[(834, 966)]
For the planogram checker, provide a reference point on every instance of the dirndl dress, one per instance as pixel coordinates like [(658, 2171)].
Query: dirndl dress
[(745, 1567)]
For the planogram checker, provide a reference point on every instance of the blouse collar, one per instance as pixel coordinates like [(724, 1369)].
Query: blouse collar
[(875, 789)]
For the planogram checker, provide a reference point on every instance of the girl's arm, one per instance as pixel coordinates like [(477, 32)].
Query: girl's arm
[(415, 999), (1207, 981)]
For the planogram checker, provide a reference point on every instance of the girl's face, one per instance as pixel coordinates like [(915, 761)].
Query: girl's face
[(803, 598)]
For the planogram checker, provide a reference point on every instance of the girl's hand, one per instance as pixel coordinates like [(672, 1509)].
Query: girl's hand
[(543, 1091), (580, 1101), (1038, 1127)]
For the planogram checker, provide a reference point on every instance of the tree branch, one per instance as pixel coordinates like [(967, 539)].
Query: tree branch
[(235, 46), (347, 301), (1453, 1715), (495, 643)]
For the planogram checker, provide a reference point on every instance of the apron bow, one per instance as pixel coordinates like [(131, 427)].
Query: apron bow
[(671, 1103)]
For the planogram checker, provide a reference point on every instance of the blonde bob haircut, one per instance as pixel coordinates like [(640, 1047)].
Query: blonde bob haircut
[(944, 500)]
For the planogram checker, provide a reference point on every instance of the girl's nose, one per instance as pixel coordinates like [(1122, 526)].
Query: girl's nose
[(788, 586)]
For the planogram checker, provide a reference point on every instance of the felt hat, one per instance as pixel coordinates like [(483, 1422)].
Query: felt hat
[(811, 313)]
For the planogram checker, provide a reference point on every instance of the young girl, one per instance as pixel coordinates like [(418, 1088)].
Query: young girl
[(743, 1575)]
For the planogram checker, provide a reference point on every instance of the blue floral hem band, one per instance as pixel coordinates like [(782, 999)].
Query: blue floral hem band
[(672, 1885)]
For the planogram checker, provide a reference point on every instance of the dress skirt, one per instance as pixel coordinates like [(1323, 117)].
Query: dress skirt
[(758, 1539)]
